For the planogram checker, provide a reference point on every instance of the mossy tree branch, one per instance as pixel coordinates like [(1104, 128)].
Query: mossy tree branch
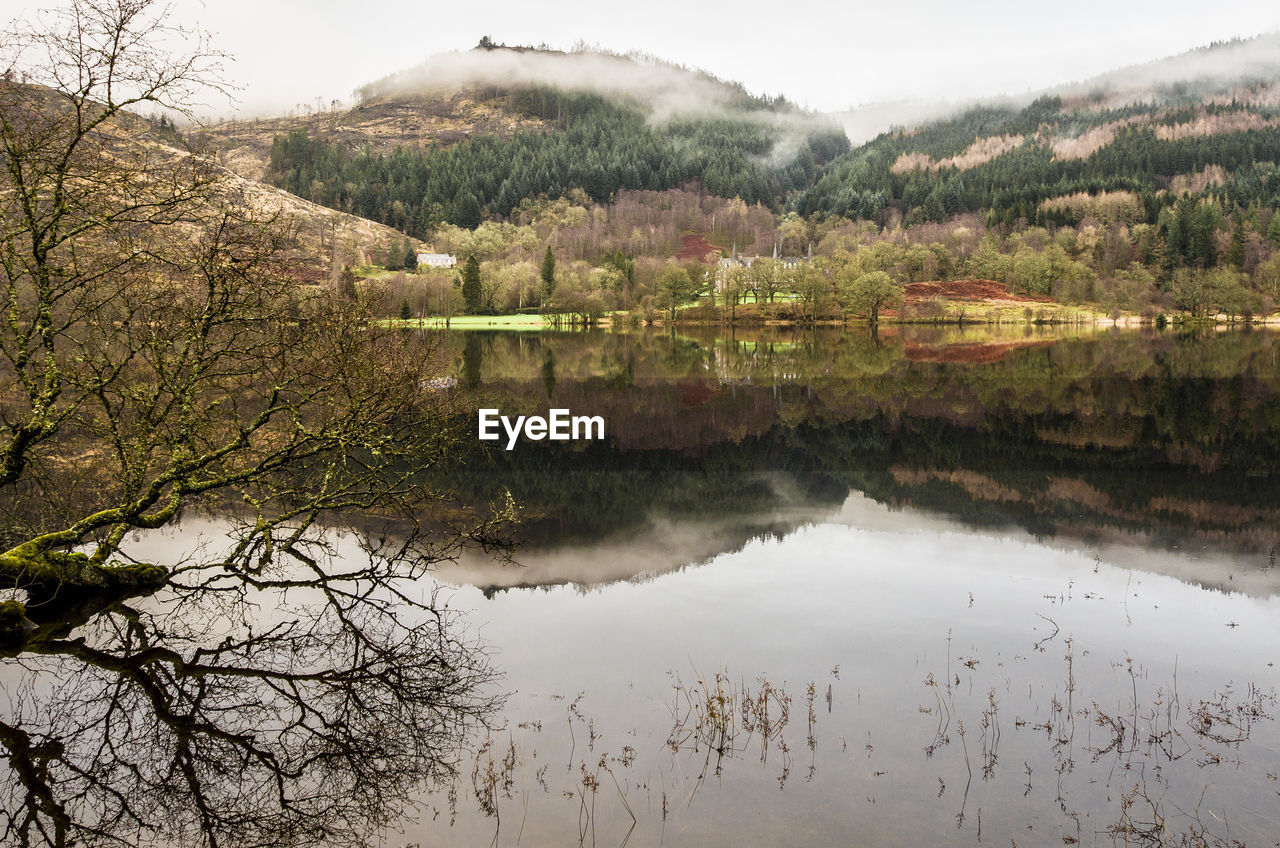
[(157, 357)]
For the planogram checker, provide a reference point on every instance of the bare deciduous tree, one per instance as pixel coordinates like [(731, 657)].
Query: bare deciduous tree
[(287, 682)]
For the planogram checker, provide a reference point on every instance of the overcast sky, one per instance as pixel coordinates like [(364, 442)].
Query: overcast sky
[(822, 55)]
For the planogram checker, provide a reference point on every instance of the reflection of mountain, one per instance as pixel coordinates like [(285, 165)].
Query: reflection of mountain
[(649, 544), (1164, 441), (660, 546)]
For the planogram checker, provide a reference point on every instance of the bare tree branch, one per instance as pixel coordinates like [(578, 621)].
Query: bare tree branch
[(289, 682)]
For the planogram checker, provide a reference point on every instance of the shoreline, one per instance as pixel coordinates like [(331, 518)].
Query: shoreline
[(624, 321)]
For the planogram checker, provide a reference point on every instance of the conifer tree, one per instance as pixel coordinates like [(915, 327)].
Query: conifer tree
[(466, 210), (1273, 229), (548, 274), (1235, 253), (471, 291)]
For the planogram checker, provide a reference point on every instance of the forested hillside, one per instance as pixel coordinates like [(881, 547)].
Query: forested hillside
[(758, 149), (1122, 147), (1053, 162)]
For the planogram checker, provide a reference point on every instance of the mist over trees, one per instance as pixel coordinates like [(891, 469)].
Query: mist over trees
[(594, 145)]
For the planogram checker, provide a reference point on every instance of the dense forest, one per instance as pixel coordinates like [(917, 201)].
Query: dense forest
[(721, 414), (596, 145), (1031, 164)]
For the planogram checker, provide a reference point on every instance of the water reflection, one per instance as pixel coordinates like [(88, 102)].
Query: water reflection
[(1151, 441), (665, 544), (935, 588), (296, 710), (983, 688)]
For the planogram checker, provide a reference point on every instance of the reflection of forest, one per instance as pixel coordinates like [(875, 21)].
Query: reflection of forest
[(1175, 437)]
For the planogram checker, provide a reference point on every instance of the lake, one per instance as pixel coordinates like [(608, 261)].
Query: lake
[(930, 587)]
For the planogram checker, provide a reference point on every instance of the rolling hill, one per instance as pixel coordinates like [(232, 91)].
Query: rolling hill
[(1122, 146), (153, 156), (467, 136)]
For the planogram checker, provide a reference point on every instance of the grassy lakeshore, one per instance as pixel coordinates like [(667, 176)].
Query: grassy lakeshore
[(1010, 314)]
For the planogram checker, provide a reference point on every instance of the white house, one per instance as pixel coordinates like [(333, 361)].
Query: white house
[(437, 260)]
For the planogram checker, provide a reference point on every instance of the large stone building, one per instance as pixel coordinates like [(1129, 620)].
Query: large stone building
[(733, 260), (437, 260)]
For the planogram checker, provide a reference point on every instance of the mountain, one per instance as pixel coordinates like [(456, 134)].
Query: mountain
[(153, 155), (1214, 69), (1149, 190), (1121, 146), (470, 135)]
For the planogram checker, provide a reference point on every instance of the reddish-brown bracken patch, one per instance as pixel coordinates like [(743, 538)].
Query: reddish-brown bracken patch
[(967, 290), (695, 248), (976, 352), (695, 394)]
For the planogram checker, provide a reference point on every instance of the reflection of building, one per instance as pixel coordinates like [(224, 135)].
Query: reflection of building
[(437, 260), (733, 260)]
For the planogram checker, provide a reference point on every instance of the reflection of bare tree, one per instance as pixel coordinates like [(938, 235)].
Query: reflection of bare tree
[(191, 723), (158, 357)]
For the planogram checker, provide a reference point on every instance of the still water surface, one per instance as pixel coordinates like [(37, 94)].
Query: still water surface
[(926, 589)]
